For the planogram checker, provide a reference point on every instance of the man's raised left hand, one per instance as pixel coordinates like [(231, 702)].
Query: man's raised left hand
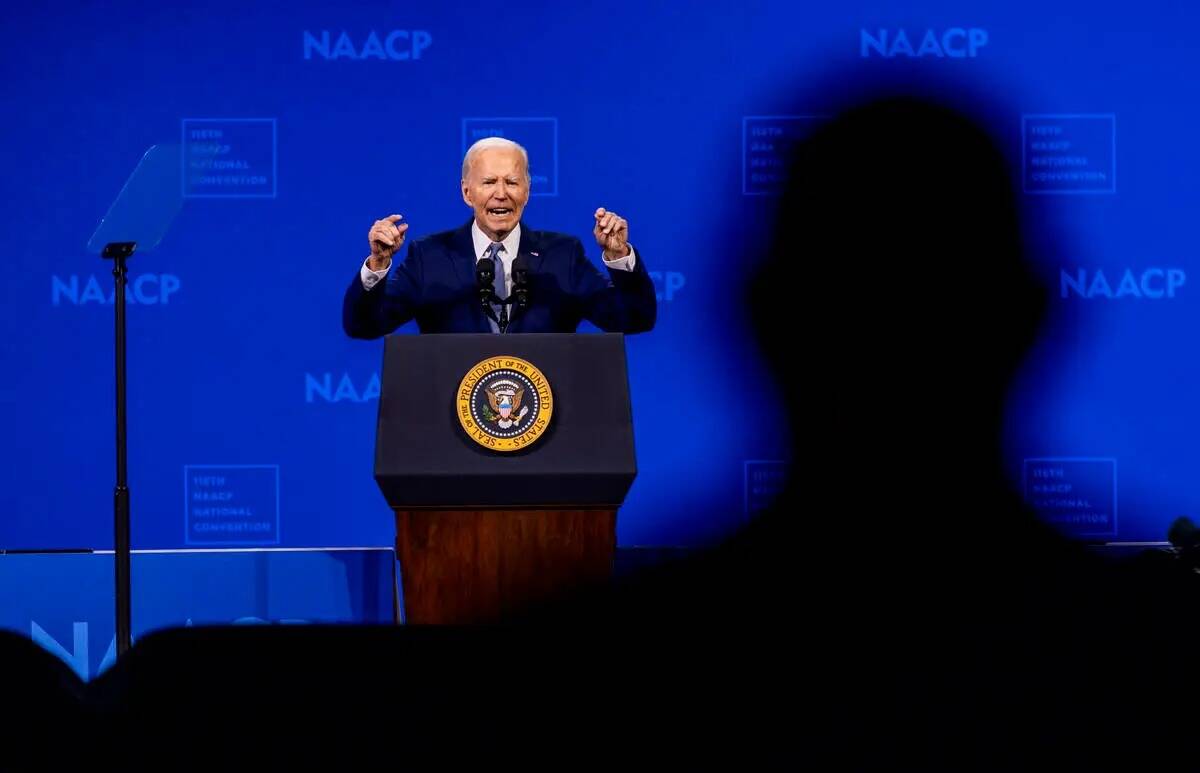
[(612, 234)]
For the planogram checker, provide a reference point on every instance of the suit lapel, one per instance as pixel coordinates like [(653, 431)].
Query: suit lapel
[(464, 259), (464, 256), (530, 247)]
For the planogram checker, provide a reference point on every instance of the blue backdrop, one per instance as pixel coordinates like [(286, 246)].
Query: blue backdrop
[(300, 123)]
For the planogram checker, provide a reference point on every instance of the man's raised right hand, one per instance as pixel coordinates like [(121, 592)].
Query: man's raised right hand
[(385, 238)]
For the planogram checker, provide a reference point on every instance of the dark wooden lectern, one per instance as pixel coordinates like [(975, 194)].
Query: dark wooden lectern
[(482, 534)]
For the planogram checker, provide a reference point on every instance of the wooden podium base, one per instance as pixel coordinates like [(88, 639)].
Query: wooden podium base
[(467, 567)]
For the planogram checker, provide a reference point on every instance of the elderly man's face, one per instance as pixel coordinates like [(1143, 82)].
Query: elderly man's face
[(497, 187)]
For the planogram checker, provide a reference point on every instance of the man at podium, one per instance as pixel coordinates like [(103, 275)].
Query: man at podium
[(443, 281)]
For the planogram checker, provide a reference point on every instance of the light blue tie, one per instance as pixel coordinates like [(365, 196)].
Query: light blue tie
[(493, 252)]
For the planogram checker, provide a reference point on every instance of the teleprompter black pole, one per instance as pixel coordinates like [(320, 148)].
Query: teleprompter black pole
[(118, 252)]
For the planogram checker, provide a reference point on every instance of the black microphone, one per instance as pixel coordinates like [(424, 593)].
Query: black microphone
[(485, 278), (520, 272)]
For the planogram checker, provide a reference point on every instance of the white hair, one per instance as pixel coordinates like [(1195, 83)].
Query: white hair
[(493, 142)]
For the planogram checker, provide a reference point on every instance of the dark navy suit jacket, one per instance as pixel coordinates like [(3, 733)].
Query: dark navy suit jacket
[(436, 285)]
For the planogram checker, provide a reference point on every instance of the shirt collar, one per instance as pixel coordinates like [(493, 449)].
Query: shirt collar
[(511, 243)]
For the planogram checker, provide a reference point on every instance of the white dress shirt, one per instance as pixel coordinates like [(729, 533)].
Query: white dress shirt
[(507, 256)]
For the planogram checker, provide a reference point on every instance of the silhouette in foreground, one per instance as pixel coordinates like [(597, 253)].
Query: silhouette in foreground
[(899, 605)]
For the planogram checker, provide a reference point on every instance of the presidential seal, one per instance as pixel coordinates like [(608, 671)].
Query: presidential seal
[(504, 403)]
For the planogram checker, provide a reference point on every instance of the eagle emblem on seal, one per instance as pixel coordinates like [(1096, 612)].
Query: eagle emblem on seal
[(504, 400)]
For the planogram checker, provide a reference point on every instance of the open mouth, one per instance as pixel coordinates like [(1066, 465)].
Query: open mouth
[(500, 211)]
